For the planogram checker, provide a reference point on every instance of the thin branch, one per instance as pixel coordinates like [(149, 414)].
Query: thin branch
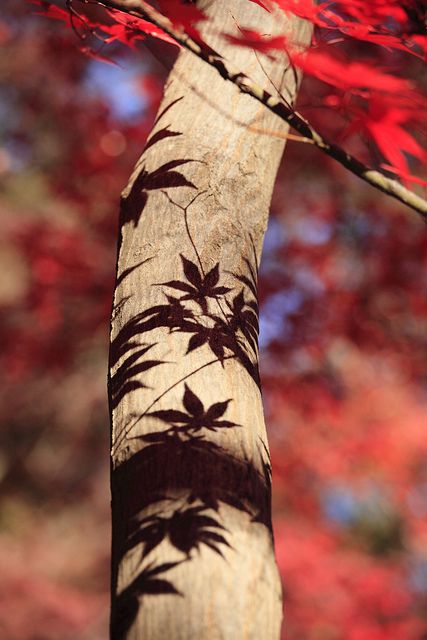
[(376, 178), (279, 134)]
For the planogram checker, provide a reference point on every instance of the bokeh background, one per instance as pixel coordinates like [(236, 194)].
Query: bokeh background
[(343, 336)]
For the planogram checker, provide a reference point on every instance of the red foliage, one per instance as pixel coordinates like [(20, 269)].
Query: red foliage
[(343, 303), (387, 24)]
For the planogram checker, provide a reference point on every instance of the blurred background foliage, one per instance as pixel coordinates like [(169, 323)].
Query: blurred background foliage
[(343, 336)]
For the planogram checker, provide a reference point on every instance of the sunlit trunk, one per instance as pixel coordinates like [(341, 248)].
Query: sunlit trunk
[(193, 552)]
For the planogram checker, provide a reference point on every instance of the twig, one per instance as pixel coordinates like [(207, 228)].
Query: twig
[(376, 178)]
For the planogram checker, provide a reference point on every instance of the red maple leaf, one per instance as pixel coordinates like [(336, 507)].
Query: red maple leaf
[(128, 29), (385, 124), (347, 75), (256, 41), (183, 16)]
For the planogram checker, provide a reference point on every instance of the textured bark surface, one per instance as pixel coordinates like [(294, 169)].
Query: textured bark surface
[(192, 546)]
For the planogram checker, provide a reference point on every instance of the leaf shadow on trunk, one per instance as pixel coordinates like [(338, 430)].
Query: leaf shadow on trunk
[(164, 177), (175, 463), (127, 376), (234, 333), (148, 581)]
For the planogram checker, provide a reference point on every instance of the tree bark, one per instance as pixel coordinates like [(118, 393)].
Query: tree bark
[(193, 552)]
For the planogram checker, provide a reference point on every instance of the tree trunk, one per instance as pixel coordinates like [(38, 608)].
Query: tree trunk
[(193, 552)]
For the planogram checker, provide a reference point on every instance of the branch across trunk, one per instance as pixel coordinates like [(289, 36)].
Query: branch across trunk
[(247, 84), (192, 543)]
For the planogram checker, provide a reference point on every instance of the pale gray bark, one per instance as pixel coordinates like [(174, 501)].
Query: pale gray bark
[(192, 547)]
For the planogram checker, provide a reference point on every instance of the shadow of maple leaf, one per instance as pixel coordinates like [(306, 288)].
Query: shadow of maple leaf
[(147, 582), (161, 178), (244, 317), (121, 383), (198, 287), (197, 417), (186, 529)]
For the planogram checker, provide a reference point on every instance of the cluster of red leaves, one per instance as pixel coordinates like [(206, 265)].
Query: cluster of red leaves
[(116, 27), (340, 594), (350, 505), (50, 607), (377, 102), (63, 269)]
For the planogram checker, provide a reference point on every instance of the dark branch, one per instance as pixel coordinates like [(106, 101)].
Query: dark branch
[(372, 176)]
